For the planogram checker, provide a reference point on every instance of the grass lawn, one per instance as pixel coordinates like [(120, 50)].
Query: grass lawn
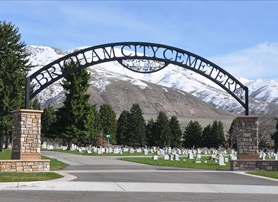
[(270, 174), (32, 176), (27, 177), (183, 163)]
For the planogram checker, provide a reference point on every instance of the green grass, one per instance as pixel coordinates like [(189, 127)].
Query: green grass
[(55, 164), (6, 154), (183, 163), (270, 174), (27, 177), (30, 176)]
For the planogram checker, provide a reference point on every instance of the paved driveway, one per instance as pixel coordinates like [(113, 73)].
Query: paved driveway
[(91, 178)]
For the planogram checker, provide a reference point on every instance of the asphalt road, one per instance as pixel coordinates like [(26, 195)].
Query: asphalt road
[(46, 196), (111, 180)]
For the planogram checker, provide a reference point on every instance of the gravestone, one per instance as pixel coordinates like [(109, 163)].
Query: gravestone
[(155, 158), (176, 157), (116, 151), (146, 152), (198, 157), (221, 160), (99, 151), (166, 157)]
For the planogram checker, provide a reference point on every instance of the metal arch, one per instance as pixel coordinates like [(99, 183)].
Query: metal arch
[(141, 51)]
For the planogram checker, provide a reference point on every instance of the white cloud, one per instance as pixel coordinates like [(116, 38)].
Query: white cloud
[(260, 61)]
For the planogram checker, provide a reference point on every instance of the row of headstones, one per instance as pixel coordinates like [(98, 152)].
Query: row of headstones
[(146, 151), (219, 159), (270, 155)]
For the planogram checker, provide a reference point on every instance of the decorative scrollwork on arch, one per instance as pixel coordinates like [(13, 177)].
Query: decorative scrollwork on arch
[(140, 57), (143, 65)]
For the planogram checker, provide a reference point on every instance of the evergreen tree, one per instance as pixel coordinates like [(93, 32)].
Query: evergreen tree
[(72, 116), (162, 130), (14, 67), (48, 119), (150, 133), (91, 125), (207, 139), (274, 137), (35, 104), (217, 134), (108, 122), (122, 134), (136, 126), (176, 132), (193, 135)]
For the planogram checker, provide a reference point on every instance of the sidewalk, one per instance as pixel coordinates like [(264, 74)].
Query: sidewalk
[(138, 187), (66, 184)]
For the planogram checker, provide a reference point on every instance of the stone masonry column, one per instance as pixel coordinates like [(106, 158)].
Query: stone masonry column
[(26, 134), (247, 137)]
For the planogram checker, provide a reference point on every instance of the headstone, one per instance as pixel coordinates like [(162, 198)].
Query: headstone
[(198, 157), (44, 145), (171, 157), (89, 152), (50, 147), (264, 155), (146, 152), (194, 152), (99, 151), (190, 155), (139, 150), (226, 160), (155, 158), (276, 157), (166, 157), (116, 151), (233, 157), (131, 151), (176, 157), (221, 160), (169, 150)]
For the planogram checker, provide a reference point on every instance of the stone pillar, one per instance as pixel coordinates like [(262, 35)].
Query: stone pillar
[(247, 137), (26, 134)]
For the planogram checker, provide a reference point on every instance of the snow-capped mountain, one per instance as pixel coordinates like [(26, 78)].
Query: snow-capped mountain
[(263, 94)]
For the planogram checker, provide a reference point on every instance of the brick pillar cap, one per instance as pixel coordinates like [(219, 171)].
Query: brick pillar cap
[(28, 111)]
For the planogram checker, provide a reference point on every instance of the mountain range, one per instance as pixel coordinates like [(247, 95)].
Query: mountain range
[(175, 90)]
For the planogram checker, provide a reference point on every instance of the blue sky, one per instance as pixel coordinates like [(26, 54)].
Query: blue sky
[(239, 36)]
